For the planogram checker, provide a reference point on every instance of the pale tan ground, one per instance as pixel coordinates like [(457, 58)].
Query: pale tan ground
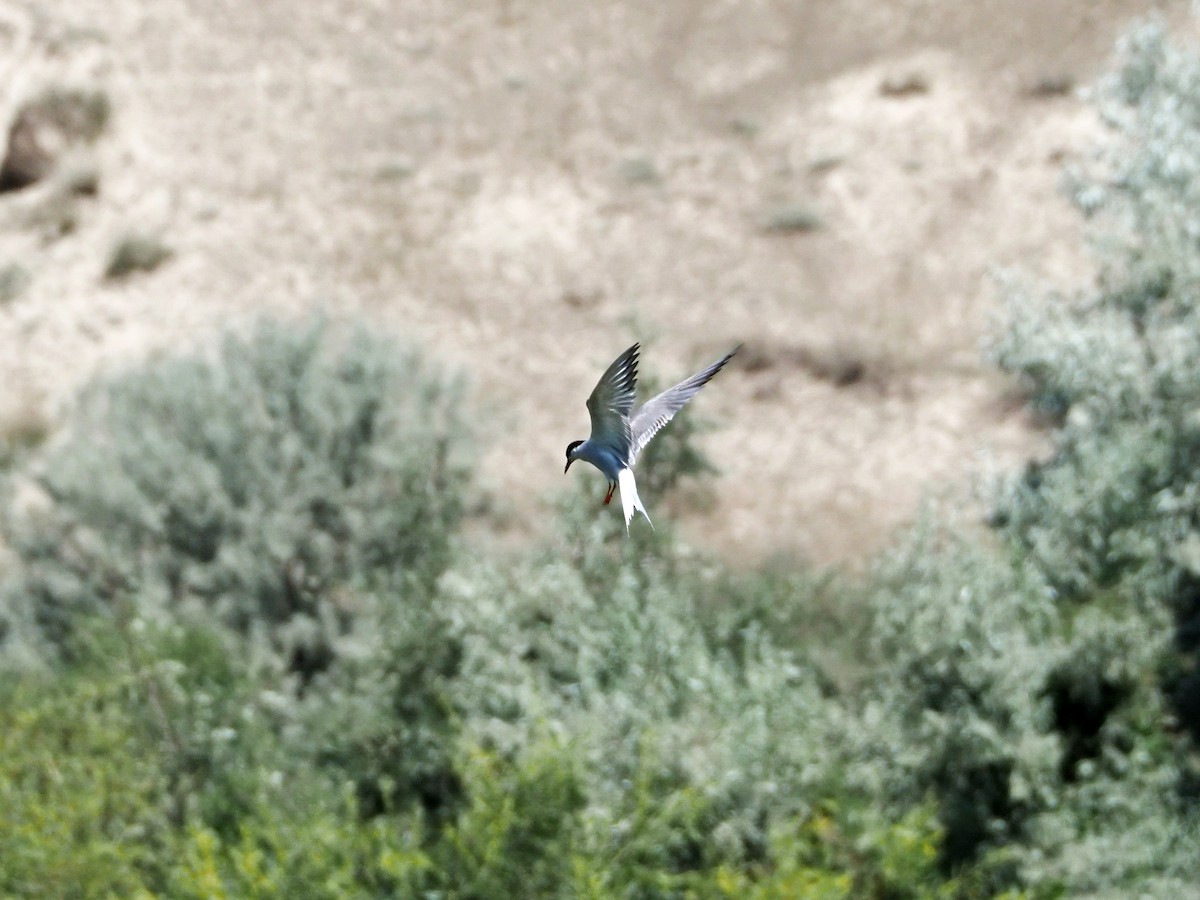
[(525, 188)]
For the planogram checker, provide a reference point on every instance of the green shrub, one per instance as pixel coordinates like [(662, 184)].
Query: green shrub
[(1036, 727), (1111, 510), (965, 643), (658, 707), (1108, 523), (386, 720), (162, 779), (257, 489), (1111, 517), (517, 836), (602, 717), (284, 849), (835, 854), (79, 790)]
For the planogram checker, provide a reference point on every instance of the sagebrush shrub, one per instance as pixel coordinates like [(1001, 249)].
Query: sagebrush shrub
[(1113, 508), (965, 643), (1109, 522), (1034, 688), (260, 487)]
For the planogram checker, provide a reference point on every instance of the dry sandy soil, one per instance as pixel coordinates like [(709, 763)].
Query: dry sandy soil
[(525, 188)]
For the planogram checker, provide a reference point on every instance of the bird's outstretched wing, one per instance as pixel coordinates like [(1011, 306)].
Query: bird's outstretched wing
[(657, 411), (611, 402)]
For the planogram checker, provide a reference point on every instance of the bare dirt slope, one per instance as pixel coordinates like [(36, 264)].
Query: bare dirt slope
[(525, 188)]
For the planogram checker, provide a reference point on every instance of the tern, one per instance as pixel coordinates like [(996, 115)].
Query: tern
[(620, 433)]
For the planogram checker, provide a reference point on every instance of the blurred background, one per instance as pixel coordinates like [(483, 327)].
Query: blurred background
[(526, 189), (299, 306)]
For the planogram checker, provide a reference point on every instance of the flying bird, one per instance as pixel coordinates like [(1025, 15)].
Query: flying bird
[(619, 433)]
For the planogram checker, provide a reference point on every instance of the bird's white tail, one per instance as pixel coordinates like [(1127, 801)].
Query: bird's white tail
[(629, 497)]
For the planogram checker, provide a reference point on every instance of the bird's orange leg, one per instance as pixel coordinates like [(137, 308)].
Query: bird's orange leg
[(608, 496)]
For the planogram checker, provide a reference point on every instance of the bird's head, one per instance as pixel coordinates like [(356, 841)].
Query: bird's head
[(571, 457)]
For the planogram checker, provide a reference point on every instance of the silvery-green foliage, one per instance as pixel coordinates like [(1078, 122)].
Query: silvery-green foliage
[(605, 644), (253, 488), (1037, 727), (1152, 188), (622, 665), (386, 718), (1116, 834), (965, 645), (1115, 502), (1114, 508), (1108, 523)]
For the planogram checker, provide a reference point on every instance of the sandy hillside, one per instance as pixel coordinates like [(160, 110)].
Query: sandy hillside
[(525, 188)]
